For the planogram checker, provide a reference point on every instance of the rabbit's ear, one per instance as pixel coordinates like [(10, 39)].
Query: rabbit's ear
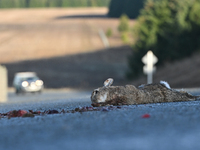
[(165, 84), (108, 82)]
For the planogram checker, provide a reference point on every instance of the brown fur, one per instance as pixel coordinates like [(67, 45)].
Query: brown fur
[(129, 94)]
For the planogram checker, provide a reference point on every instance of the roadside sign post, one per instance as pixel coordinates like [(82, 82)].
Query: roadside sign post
[(3, 84), (149, 60)]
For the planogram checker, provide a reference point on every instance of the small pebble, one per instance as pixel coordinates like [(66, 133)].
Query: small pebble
[(90, 108), (52, 112), (104, 109)]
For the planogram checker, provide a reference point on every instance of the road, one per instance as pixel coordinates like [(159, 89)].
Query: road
[(49, 99), (171, 126)]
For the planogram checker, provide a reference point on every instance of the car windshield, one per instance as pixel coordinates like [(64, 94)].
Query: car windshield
[(29, 78)]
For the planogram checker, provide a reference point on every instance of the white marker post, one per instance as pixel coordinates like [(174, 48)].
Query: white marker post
[(149, 60), (3, 84)]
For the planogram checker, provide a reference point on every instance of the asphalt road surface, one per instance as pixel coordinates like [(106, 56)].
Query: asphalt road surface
[(171, 126)]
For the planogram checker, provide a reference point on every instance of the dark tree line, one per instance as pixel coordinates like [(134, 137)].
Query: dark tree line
[(52, 3), (129, 7)]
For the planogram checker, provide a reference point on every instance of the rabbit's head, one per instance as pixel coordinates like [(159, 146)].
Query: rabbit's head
[(100, 95)]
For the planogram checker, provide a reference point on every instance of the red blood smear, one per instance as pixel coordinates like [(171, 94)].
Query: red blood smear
[(16, 113), (21, 113), (146, 116)]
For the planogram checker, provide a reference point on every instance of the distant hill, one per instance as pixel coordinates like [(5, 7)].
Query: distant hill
[(49, 44)]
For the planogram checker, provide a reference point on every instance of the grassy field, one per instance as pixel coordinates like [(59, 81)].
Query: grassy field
[(43, 33)]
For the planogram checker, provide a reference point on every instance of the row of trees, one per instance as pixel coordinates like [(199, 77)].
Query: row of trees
[(170, 28), (52, 3)]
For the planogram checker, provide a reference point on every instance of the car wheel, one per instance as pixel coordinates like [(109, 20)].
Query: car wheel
[(17, 91), (40, 91)]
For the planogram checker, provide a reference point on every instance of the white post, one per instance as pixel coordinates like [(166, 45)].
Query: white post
[(149, 78), (149, 60), (3, 84)]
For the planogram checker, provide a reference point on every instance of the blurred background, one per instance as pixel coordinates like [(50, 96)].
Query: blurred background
[(80, 43)]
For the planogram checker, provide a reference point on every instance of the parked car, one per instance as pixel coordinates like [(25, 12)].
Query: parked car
[(27, 82)]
